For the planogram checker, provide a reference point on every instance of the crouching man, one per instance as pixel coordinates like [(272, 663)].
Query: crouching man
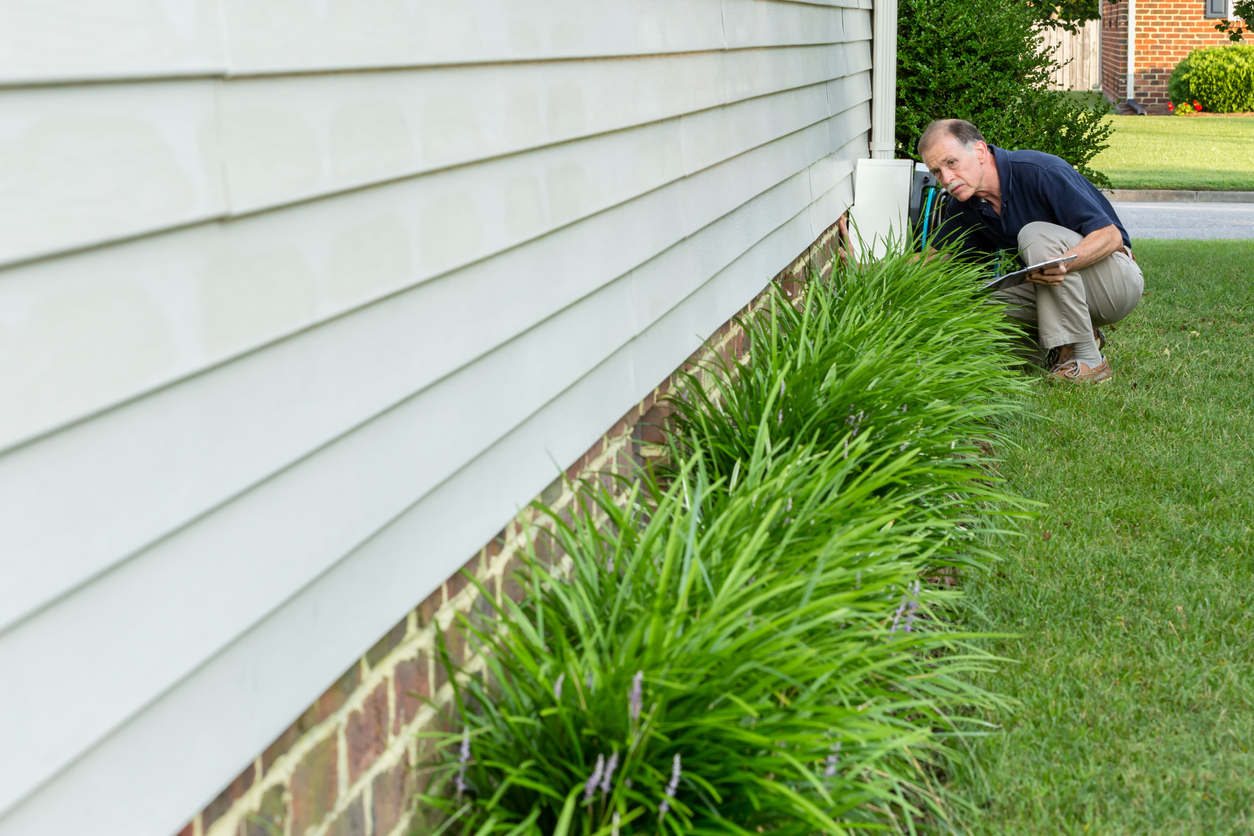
[(1041, 207)]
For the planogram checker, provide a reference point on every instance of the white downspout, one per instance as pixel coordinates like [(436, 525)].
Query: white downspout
[(1131, 92), (884, 80), (1101, 36)]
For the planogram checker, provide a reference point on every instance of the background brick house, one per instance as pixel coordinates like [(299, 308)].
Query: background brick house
[(1163, 33)]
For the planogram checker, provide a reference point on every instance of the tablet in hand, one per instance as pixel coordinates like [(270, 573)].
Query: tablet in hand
[(1018, 277)]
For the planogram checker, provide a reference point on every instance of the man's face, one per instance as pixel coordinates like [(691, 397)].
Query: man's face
[(959, 170)]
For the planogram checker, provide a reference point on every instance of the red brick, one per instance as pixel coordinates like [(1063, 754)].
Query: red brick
[(188, 830), (351, 822), (428, 608), (314, 786), (333, 699), (367, 732), (284, 742), (218, 807), (412, 688), (391, 794), (385, 645)]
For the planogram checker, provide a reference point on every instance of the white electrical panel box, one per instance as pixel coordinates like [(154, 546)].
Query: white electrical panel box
[(880, 215)]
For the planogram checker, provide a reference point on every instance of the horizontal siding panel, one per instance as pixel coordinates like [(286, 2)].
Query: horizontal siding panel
[(255, 680), (138, 473), (685, 327), (89, 40), (290, 139), (665, 281), (750, 23), (710, 194), (293, 139), (272, 325), (311, 514), (85, 165), (850, 90), (858, 24), (712, 136), (177, 303), (75, 40), (756, 72), (852, 4), (291, 36), (849, 123)]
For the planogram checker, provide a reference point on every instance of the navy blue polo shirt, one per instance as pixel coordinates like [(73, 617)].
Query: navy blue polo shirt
[(1034, 187)]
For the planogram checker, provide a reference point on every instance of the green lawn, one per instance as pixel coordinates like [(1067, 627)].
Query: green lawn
[(1133, 593), (1180, 152)]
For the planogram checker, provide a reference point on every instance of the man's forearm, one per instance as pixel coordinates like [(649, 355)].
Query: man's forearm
[(1095, 246), (1092, 248)]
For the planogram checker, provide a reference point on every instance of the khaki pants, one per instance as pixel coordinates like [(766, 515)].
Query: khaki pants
[(1100, 294)]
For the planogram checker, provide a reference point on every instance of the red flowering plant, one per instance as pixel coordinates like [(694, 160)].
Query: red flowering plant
[(1184, 109)]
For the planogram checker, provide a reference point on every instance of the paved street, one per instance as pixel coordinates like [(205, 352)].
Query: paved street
[(1187, 220)]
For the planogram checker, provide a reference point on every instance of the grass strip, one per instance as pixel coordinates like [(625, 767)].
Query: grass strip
[(1180, 152), (1132, 592)]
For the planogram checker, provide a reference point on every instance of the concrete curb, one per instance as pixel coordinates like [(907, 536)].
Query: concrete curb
[(1175, 196)]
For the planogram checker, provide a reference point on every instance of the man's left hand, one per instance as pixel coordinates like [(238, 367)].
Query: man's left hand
[(1050, 276)]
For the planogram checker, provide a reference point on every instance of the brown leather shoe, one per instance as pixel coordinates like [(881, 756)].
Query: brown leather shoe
[(1075, 371)]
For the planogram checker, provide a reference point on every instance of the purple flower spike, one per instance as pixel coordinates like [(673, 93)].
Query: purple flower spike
[(635, 700), (463, 758), (915, 589), (832, 760), (610, 766), (676, 771), (590, 788), (901, 610), (557, 686)]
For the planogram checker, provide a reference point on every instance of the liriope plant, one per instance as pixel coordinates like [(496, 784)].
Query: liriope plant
[(767, 659), (748, 641)]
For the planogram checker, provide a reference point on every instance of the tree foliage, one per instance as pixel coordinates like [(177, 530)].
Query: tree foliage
[(1069, 15), (1236, 29), (981, 60)]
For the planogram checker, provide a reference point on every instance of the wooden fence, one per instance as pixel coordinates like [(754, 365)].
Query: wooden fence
[(1078, 58)]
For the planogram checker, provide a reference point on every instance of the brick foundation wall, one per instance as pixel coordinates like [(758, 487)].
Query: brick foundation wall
[(345, 767), (1166, 31)]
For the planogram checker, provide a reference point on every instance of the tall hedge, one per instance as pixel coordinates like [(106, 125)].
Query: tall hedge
[(1219, 78), (980, 60)]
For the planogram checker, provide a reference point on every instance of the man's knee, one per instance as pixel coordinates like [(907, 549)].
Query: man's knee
[(1039, 240)]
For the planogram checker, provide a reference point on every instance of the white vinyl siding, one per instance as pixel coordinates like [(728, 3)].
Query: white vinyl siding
[(281, 346)]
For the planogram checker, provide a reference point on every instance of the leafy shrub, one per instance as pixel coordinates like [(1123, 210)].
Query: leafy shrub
[(749, 641), (1221, 78), (980, 60)]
